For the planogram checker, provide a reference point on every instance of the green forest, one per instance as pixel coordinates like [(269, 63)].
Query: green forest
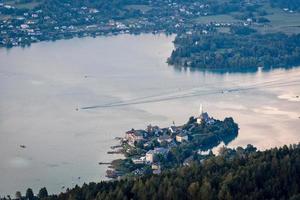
[(241, 173), (242, 50)]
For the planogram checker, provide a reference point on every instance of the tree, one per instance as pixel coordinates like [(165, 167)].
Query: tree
[(193, 190), (29, 194), (18, 195), (206, 190), (43, 193)]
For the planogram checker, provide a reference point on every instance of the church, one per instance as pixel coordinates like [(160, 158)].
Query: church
[(204, 117)]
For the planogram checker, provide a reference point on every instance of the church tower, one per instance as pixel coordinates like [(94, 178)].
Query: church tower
[(201, 110), (200, 117)]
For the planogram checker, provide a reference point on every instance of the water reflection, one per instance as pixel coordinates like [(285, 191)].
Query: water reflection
[(185, 69)]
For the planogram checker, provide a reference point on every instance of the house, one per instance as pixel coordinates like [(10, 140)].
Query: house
[(24, 26), (188, 161), (147, 144), (150, 156), (156, 168), (140, 160), (164, 138), (133, 136), (154, 130), (204, 153), (157, 151), (181, 137), (173, 129)]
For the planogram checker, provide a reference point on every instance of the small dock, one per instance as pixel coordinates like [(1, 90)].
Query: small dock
[(104, 163)]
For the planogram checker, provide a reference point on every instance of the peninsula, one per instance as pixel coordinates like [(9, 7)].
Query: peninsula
[(155, 149)]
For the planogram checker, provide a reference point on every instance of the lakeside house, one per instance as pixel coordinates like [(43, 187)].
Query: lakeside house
[(134, 136), (150, 155)]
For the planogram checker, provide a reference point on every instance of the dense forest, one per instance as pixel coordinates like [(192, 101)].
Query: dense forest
[(242, 49), (233, 174)]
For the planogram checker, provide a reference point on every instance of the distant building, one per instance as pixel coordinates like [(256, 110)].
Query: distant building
[(181, 137), (140, 160), (165, 138), (147, 144), (188, 161), (24, 26), (156, 168), (204, 117), (204, 153), (173, 129), (135, 135), (155, 130), (157, 151)]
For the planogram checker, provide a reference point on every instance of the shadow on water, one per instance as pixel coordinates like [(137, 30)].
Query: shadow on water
[(251, 70), (216, 140)]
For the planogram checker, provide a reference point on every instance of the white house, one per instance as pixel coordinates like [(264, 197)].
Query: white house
[(181, 137), (140, 160), (173, 129)]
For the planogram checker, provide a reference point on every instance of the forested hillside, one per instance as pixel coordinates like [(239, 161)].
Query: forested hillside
[(234, 174)]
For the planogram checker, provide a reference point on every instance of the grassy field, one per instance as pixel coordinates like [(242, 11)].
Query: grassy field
[(281, 21), (23, 5), (142, 8), (285, 22), (28, 5), (215, 18), (4, 17)]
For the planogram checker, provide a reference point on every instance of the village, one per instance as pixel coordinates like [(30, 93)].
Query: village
[(155, 149), (22, 26)]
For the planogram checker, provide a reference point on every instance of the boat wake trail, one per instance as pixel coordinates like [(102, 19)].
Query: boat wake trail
[(204, 90)]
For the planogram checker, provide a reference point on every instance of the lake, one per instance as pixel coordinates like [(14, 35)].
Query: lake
[(127, 83)]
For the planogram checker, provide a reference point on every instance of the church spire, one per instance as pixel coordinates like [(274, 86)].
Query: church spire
[(201, 110)]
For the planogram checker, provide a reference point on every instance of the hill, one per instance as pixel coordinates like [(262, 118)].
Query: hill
[(234, 174)]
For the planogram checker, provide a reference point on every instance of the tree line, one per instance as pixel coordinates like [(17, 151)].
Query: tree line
[(241, 173), (242, 49)]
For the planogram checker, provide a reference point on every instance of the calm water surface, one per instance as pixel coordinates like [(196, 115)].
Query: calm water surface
[(42, 87)]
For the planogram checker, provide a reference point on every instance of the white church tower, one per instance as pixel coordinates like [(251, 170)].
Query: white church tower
[(201, 109), (204, 117), (199, 118)]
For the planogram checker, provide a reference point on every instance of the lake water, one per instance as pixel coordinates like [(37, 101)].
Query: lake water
[(44, 87)]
